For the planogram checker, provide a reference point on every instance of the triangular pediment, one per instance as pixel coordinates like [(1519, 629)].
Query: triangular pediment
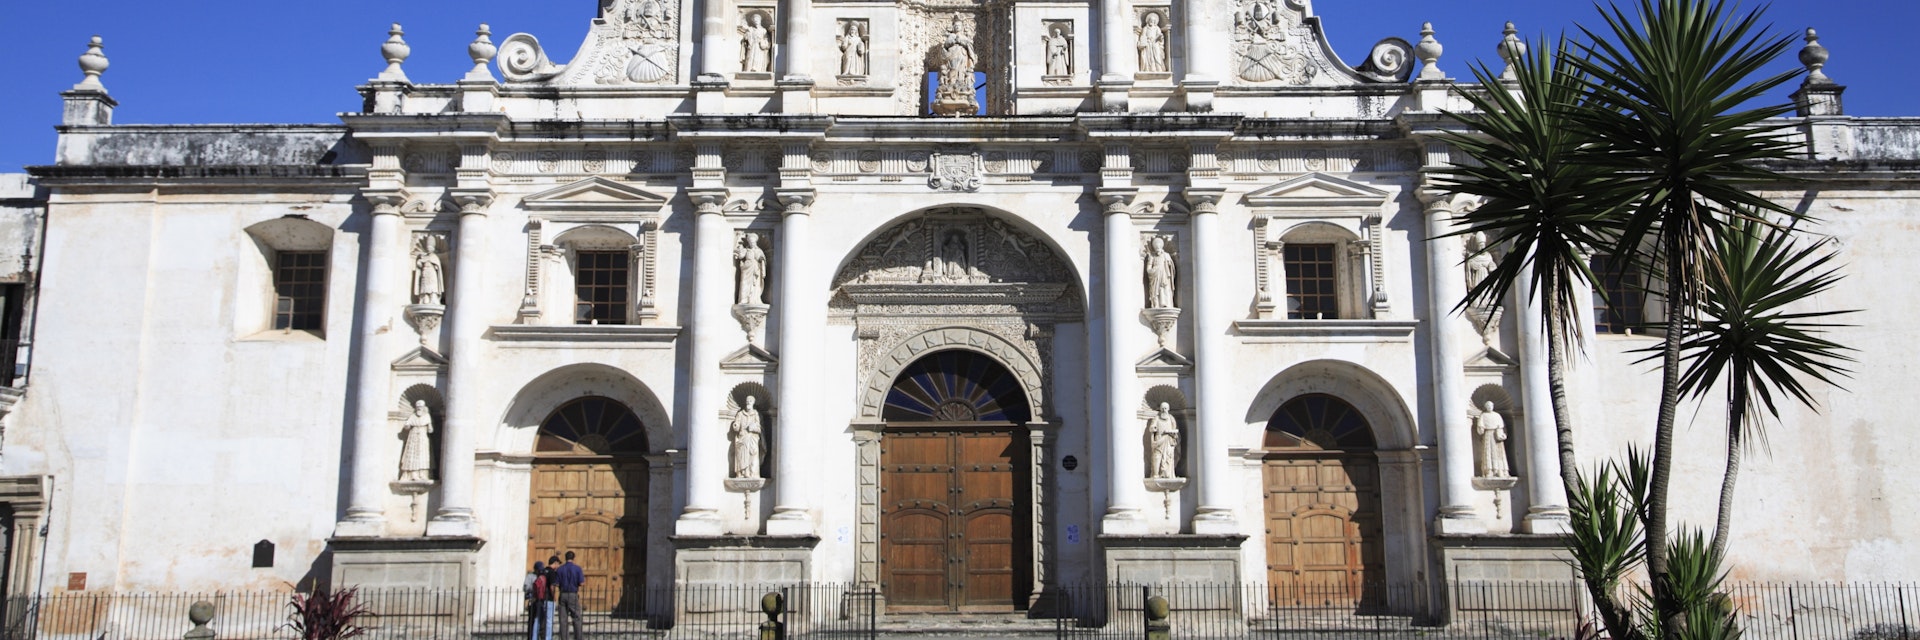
[(751, 358), (420, 359), (1163, 360), (596, 194), (1318, 190)]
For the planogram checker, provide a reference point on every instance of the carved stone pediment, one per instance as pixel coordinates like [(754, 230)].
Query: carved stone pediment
[(593, 197), (955, 247), (1314, 194)]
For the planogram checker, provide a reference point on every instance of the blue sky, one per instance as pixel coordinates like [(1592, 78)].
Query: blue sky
[(222, 61)]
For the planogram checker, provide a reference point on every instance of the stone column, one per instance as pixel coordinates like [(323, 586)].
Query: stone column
[(1126, 464), (796, 38), (1548, 511), (385, 255), (1117, 60), (1453, 427), (1212, 377), (466, 322), (803, 320), (1203, 38), (714, 37), (710, 332)]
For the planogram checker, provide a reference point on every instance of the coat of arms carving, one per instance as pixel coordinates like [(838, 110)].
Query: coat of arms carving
[(956, 172)]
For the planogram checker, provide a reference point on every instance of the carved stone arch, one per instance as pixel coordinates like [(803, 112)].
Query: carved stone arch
[(1015, 251), (1502, 401), (435, 403), (873, 396), (595, 235), (539, 397), (1317, 231), (1384, 408)]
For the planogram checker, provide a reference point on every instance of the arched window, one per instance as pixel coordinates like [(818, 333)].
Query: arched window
[(956, 386), (290, 277), (1318, 421), (592, 425)]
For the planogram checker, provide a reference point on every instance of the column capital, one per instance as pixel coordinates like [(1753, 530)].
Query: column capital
[(472, 201), (385, 201), (708, 199), (796, 201), (1117, 200), (1204, 200)]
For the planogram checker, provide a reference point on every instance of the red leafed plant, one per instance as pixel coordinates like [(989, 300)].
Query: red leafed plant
[(324, 615)]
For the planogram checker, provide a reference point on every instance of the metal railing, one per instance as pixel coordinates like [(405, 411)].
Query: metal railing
[(1092, 611)]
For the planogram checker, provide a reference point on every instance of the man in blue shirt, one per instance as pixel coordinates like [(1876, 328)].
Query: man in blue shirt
[(570, 577)]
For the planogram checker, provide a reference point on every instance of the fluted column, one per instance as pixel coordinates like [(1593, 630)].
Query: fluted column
[(1213, 419), (1126, 454), (1547, 511), (710, 332), (803, 319), (466, 407), (1453, 426), (385, 255)]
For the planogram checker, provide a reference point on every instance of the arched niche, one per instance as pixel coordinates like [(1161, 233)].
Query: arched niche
[(999, 248), (540, 397), (1376, 400)]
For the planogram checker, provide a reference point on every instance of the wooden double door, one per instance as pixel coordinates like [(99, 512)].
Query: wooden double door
[(598, 510), (1324, 534), (954, 527)]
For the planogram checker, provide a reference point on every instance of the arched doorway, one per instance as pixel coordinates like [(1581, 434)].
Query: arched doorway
[(590, 497), (1323, 507), (954, 459)]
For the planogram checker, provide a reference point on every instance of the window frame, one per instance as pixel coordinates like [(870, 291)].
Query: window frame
[(287, 320)]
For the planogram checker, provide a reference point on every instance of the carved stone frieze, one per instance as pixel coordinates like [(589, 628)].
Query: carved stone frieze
[(1270, 43), (634, 42)]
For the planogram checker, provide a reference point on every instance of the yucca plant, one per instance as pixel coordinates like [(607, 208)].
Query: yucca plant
[(324, 615), (1668, 98), (1606, 540)]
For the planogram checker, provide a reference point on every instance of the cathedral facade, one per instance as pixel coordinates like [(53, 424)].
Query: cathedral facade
[(958, 300)]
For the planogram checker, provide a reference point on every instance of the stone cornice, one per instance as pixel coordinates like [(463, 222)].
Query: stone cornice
[(760, 126), (69, 175)]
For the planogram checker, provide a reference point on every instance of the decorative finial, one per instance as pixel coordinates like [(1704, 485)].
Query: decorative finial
[(1815, 57), (1429, 51), (482, 51), (1511, 49), (93, 63), (396, 51)]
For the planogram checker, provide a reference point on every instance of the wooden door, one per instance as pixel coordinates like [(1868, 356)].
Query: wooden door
[(597, 510), (952, 534), (1323, 527)]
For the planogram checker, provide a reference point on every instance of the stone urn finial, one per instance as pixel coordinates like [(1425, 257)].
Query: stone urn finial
[(1511, 49), (395, 50), (482, 50), (1814, 56), (200, 613), (1429, 51), (93, 63)]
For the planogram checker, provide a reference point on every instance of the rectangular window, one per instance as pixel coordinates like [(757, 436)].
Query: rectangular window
[(1312, 287), (600, 287), (1623, 309), (299, 290)]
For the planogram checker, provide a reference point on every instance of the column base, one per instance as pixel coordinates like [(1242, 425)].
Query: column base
[(1473, 567), (1547, 521), (361, 525), (453, 524), (1176, 558), (446, 563), (1459, 521), (1123, 522), (1215, 521), (737, 563), (1113, 93), (699, 522), (790, 522)]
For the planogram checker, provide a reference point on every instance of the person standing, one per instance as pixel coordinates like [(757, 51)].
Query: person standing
[(570, 578), (539, 589)]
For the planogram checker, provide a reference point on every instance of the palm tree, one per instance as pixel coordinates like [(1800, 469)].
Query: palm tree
[(1667, 95), (1748, 335), (1540, 203)]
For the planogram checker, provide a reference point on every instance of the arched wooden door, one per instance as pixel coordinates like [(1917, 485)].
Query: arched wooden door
[(953, 458), (1322, 486), (590, 497)]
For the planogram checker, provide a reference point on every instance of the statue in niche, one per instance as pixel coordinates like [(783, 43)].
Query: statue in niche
[(952, 263), (751, 264), (954, 95), (1163, 443), (416, 449), (853, 49), (1161, 270), (1490, 436), (1480, 264), (756, 45), (1153, 44), (429, 277), (745, 435), (1059, 52)]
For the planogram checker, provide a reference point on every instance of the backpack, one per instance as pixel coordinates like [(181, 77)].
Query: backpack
[(540, 588)]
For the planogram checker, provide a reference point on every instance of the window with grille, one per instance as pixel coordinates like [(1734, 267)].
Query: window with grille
[(1312, 284), (299, 290), (600, 287), (1623, 309)]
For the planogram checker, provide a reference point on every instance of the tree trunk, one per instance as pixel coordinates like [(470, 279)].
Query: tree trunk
[(1665, 609), (1736, 433)]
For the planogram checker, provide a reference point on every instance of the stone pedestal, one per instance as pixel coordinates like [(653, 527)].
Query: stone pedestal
[(443, 563), (1470, 566), (742, 560), (1167, 559)]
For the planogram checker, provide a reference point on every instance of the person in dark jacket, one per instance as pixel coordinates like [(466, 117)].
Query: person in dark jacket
[(570, 578)]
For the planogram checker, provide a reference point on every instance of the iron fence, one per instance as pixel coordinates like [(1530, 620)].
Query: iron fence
[(1092, 611)]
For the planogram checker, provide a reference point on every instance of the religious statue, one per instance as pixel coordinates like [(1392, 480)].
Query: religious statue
[(1479, 259), (954, 95), (1153, 44), (1490, 436), (1163, 443), (952, 264), (853, 50), (752, 265), (745, 434), (1487, 313), (756, 45), (1059, 52), (416, 450), (429, 279), (1161, 271)]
